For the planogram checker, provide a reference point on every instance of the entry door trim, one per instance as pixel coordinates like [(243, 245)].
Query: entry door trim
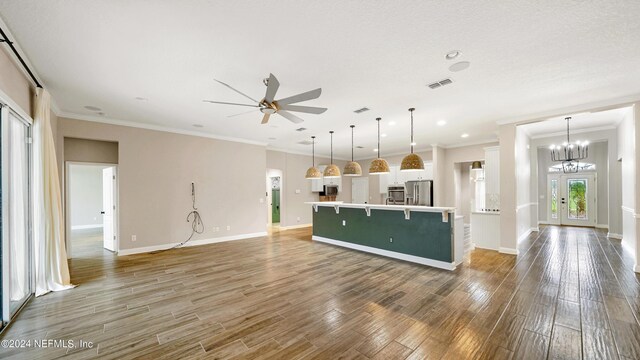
[(592, 209)]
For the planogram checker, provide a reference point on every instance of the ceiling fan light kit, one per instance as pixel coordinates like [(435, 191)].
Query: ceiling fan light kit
[(352, 168), (332, 171), (379, 166), (412, 162), (313, 172), (283, 107)]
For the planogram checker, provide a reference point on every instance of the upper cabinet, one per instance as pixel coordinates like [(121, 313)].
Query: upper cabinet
[(492, 177)]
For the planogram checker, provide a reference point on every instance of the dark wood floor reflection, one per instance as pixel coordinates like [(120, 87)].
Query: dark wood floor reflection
[(570, 294)]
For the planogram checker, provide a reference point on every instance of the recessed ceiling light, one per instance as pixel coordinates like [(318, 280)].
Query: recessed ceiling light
[(413, 144), (452, 54), (272, 138), (383, 135), (442, 122), (465, 135), (140, 98), (391, 123), (274, 126), (101, 113), (359, 147), (198, 125), (92, 108), (459, 66), (375, 150)]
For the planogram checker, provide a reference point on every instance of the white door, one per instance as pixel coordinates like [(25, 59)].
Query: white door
[(572, 199), (360, 190), (109, 208)]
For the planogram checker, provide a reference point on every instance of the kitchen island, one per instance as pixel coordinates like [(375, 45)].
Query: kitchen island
[(426, 235)]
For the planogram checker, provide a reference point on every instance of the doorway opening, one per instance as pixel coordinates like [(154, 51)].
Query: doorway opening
[(572, 199), (92, 208), (274, 198)]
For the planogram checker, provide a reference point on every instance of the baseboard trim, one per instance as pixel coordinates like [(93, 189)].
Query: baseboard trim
[(486, 248), (295, 227), (387, 253), (614, 236), (636, 268), (534, 229), (602, 226), (90, 226), (146, 249), (523, 236), (510, 251)]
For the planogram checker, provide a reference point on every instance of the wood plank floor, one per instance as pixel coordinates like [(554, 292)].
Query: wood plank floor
[(568, 295)]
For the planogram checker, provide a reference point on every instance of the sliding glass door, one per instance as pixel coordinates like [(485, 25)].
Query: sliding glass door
[(17, 253)]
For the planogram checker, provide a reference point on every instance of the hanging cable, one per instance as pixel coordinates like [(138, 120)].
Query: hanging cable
[(197, 225)]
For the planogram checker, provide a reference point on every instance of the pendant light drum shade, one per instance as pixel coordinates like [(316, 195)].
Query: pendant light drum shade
[(412, 162), (379, 166), (332, 171), (352, 168), (313, 172)]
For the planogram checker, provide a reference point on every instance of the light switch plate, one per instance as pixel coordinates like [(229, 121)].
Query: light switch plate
[(297, 191)]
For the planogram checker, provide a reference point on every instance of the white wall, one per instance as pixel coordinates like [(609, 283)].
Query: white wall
[(85, 196), (627, 155), (524, 204)]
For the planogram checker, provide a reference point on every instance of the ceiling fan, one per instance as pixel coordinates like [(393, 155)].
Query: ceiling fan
[(282, 107)]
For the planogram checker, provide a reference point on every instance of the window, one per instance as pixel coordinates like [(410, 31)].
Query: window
[(554, 199)]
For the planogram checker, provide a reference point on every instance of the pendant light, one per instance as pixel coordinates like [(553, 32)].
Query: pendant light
[(352, 168), (476, 165), (332, 171), (313, 172), (379, 166), (412, 162), (570, 154)]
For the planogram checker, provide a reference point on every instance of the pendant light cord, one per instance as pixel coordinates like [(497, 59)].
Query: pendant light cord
[(352, 126), (331, 132), (313, 151), (378, 120), (568, 118), (197, 225), (411, 110)]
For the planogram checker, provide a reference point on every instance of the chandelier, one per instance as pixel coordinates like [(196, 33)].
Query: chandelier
[(570, 154)]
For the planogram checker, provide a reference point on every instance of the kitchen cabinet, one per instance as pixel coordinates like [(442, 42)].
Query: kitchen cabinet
[(426, 174), (396, 177), (317, 185), (492, 177)]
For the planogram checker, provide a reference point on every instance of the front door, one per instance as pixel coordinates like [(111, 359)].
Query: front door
[(572, 199), (275, 206)]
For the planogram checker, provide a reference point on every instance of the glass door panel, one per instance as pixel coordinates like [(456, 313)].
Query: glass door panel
[(572, 199), (17, 285)]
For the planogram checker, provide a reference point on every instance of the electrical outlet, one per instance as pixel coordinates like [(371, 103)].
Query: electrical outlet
[(297, 191), (261, 200), (344, 222), (133, 238), (228, 227), (390, 239), (298, 219)]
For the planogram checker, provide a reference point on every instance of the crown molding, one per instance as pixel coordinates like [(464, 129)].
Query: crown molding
[(473, 143), (168, 129), (596, 106)]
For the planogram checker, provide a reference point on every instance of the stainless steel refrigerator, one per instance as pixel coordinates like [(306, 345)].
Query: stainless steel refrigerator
[(419, 192)]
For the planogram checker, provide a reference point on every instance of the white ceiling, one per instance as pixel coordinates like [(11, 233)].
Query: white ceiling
[(526, 58), (579, 123)]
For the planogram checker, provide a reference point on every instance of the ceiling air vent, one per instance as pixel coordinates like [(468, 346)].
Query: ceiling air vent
[(361, 110), (359, 147), (301, 129), (304, 142), (440, 83)]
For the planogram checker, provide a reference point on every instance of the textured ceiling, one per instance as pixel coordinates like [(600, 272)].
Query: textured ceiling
[(527, 58)]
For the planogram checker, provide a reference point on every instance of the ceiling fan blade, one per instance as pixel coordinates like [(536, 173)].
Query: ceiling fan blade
[(265, 119), (272, 88), (228, 103), (238, 91), (309, 95), (289, 116), (304, 109), (242, 113)]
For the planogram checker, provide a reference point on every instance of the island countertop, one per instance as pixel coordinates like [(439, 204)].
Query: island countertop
[(382, 206)]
